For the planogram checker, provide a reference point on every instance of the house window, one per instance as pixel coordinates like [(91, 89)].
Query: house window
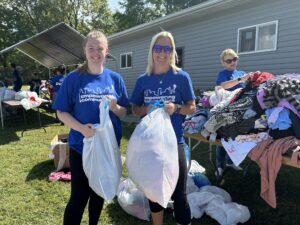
[(126, 60), (180, 57), (258, 38)]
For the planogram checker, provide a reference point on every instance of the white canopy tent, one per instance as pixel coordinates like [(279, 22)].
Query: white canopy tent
[(58, 45)]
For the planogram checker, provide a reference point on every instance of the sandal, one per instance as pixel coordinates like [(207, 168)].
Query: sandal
[(54, 176), (66, 176)]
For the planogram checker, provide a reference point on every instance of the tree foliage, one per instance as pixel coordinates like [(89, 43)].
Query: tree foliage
[(21, 19)]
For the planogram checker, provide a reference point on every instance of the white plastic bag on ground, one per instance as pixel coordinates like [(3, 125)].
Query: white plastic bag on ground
[(152, 157), (101, 157), (216, 203), (132, 200), (227, 213)]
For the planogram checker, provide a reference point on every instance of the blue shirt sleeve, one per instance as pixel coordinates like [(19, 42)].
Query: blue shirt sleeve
[(64, 99), (188, 91), (123, 99), (137, 96)]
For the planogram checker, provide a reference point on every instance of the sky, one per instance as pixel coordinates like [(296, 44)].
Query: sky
[(113, 4)]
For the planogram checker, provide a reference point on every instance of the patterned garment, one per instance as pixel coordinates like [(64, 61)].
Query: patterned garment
[(282, 89), (230, 114)]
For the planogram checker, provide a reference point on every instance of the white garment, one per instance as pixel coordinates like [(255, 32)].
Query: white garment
[(237, 151)]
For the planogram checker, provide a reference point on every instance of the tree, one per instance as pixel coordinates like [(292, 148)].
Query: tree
[(141, 11), (21, 19), (136, 12)]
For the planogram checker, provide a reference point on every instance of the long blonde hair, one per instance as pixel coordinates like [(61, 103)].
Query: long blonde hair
[(174, 57), (93, 34)]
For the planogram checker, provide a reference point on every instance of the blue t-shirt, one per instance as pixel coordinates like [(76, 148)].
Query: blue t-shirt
[(226, 75), (80, 95), (176, 88), (56, 82)]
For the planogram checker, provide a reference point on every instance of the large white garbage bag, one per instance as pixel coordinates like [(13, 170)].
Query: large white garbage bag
[(152, 157), (101, 157), (132, 200)]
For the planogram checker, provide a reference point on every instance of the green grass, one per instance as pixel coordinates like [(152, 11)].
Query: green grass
[(27, 197)]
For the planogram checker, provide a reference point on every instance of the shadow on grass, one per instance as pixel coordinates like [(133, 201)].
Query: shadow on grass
[(119, 217), (8, 134), (40, 171), (15, 124), (128, 129)]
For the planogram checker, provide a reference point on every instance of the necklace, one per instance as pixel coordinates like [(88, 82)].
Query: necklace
[(161, 81)]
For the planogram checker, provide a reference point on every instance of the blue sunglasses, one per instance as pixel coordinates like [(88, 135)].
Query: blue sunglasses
[(159, 48)]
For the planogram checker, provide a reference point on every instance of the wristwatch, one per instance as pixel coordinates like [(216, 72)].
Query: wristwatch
[(178, 108), (239, 79)]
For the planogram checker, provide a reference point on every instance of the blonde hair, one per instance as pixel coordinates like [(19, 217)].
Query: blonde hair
[(93, 34), (228, 51), (174, 57)]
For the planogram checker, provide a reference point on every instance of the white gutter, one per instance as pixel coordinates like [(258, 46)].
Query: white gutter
[(194, 9)]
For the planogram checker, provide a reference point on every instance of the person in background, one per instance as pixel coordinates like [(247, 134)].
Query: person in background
[(230, 79), (77, 105), (17, 81), (35, 83), (165, 80), (57, 80)]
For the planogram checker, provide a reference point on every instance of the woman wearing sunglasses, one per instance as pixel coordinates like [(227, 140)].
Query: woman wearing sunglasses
[(163, 80), (230, 79)]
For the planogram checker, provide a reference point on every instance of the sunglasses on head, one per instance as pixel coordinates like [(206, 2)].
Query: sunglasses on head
[(229, 61), (159, 48)]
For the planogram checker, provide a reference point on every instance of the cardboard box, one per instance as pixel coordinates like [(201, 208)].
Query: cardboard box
[(60, 151)]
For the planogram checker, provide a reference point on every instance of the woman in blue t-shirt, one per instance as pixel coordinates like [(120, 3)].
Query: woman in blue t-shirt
[(163, 80), (77, 105), (230, 79)]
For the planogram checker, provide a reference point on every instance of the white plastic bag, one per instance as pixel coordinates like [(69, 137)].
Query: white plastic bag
[(101, 157), (9, 94), (132, 200), (152, 157)]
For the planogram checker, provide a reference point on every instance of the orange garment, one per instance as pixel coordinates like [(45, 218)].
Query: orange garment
[(268, 156)]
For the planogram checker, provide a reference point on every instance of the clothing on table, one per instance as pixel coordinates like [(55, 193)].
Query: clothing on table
[(268, 156), (223, 76)]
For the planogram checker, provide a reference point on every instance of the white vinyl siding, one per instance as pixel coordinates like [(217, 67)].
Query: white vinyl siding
[(258, 38), (126, 60)]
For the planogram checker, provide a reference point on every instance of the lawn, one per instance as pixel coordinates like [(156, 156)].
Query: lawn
[(27, 197)]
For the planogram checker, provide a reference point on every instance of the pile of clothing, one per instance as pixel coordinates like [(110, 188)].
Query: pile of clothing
[(265, 111)]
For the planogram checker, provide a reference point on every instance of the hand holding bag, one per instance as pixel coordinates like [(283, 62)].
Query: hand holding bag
[(101, 157), (152, 157)]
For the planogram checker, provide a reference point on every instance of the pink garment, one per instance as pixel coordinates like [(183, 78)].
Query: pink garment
[(268, 156), (258, 78)]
